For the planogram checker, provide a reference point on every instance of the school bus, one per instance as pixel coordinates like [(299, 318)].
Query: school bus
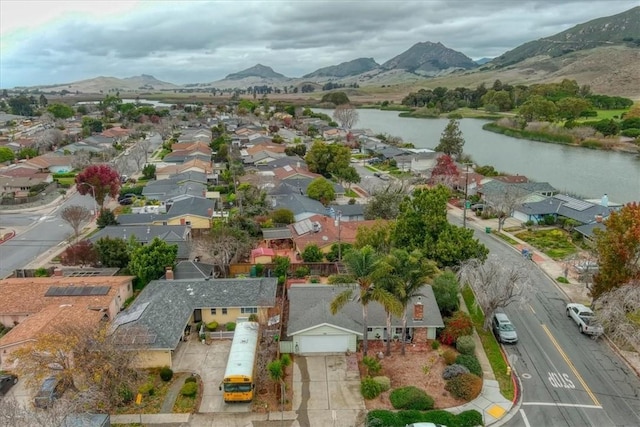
[(238, 384)]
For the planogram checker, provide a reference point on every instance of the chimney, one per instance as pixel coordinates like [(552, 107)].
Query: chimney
[(210, 212), (605, 201), (183, 221), (418, 310), (168, 275), (598, 218), (57, 272)]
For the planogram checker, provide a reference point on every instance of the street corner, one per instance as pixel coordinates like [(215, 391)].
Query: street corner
[(6, 235)]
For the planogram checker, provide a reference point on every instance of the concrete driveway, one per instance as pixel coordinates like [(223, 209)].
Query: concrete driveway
[(209, 362), (326, 391)]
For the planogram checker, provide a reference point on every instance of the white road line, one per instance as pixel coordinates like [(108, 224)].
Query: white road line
[(573, 405), (524, 418)]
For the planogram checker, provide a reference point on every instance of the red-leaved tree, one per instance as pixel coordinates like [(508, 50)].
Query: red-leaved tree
[(82, 253), (99, 181), (445, 172)]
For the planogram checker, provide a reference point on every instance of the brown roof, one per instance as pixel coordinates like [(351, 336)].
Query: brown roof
[(191, 146), (46, 161), (173, 169), (115, 132), (266, 146), (27, 295), (20, 171), (512, 179), (50, 320), (291, 171), (328, 234)]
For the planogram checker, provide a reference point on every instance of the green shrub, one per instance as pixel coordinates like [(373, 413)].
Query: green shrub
[(465, 344), (373, 365), (382, 418), (369, 388), (301, 272), (469, 418), (385, 382), (471, 362), (454, 370), (631, 133), (147, 389), (411, 398), (125, 393), (435, 345), (166, 373), (230, 326), (189, 389), (191, 380), (549, 220), (253, 317), (465, 386), (449, 356), (212, 326), (562, 279)]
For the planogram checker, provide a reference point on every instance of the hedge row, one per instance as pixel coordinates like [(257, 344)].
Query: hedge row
[(380, 418)]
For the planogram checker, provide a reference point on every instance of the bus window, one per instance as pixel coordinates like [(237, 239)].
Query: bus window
[(237, 388)]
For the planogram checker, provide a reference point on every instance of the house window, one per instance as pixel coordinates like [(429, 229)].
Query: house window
[(164, 222), (398, 331), (249, 310), (369, 329), (188, 222), (213, 311), (224, 311)]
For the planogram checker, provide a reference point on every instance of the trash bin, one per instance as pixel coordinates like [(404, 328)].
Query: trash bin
[(253, 272), (487, 230)]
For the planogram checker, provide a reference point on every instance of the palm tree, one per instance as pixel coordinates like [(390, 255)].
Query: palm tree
[(362, 264), (406, 273)]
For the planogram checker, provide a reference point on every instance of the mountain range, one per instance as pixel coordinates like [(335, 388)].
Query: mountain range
[(588, 52)]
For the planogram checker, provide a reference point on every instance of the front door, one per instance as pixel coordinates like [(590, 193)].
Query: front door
[(197, 315)]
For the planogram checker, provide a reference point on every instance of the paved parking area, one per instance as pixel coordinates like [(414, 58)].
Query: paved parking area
[(21, 394), (209, 361)]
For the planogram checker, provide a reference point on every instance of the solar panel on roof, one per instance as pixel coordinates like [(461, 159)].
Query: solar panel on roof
[(74, 291), (132, 316), (303, 227), (572, 203)]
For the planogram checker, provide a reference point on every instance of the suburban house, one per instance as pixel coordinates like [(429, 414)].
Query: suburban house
[(347, 213), (323, 231), (32, 306), (301, 206), (168, 310), (192, 165), (190, 183), (497, 193), (561, 205), (313, 329), (179, 235)]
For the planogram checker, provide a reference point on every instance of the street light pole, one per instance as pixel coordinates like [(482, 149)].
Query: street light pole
[(338, 218), (93, 192)]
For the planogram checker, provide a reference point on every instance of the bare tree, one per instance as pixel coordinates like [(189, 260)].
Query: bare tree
[(76, 215), (505, 201), (222, 246), (81, 159), (496, 284), (613, 311), (91, 364), (144, 145), (48, 139), (13, 414), (346, 114), (139, 155)]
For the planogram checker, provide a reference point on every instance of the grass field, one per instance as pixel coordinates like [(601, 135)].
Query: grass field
[(605, 114), (555, 243)]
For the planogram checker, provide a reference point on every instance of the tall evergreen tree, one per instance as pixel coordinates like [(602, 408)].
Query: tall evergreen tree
[(451, 140)]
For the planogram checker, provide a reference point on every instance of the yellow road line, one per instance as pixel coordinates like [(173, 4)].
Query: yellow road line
[(573, 368)]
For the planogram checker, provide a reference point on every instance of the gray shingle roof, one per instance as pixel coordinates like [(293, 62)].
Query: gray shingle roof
[(192, 206), (299, 204), (192, 270), (171, 304), (173, 234), (309, 307), (587, 230)]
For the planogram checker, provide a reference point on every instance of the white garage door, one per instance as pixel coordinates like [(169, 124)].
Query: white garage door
[(324, 343)]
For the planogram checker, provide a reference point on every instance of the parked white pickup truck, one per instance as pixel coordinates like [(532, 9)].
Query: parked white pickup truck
[(584, 318)]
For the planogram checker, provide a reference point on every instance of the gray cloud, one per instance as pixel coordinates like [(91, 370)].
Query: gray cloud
[(203, 41)]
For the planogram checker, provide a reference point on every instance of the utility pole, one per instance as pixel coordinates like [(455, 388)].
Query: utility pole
[(466, 186), (337, 224)]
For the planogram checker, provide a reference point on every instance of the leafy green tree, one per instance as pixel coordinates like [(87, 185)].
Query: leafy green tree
[(282, 216), (348, 175), (21, 106), (6, 154), (326, 159), (322, 190), (149, 171), (571, 108), (312, 253), (618, 248), (296, 150), (105, 218), (500, 98), (282, 264), (60, 111), (91, 125), (222, 153), (446, 289), (537, 108), (28, 153), (113, 253), (43, 100), (362, 264), (150, 261), (404, 274), (384, 203), (379, 236), (336, 98), (337, 249), (276, 372), (422, 224), (100, 181), (451, 140)]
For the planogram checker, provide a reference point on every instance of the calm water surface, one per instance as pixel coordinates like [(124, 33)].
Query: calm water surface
[(580, 171)]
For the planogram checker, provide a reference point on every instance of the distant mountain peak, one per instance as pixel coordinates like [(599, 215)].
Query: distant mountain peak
[(257, 70), (429, 58), (345, 69)]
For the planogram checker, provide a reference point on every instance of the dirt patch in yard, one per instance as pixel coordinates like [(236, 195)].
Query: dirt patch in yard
[(420, 367)]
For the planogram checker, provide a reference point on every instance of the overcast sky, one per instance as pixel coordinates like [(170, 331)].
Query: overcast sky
[(47, 42)]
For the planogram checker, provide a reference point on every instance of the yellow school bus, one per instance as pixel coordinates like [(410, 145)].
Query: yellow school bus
[(238, 384)]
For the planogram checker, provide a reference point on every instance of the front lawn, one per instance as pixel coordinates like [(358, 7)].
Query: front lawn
[(555, 243)]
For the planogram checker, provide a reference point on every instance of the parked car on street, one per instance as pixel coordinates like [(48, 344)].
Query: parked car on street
[(503, 329), (586, 267), (585, 319), (6, 382)]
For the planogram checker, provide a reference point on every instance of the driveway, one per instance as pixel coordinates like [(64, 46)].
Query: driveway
[(209, 362), (20, 393), (326, 391)]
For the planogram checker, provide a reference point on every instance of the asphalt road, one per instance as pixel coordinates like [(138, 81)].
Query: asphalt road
[(567, 379), (42, 231)]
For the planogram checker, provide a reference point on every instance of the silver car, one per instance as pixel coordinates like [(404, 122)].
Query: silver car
[(503, 329)]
